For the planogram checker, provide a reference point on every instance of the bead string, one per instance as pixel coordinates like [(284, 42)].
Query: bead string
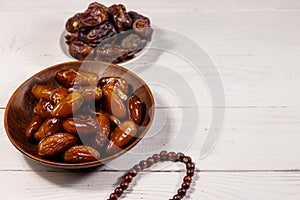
[(162, 156)]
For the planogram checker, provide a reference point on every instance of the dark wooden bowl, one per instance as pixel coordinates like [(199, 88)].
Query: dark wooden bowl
[(19, 110)]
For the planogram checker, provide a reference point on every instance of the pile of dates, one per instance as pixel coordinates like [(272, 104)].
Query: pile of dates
[(84, 118), (109, 34)]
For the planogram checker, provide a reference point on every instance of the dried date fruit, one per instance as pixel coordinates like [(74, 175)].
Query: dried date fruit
[(114, 121), (76, 36), (132, 43), (94, 15), (101, 33), (70, 77), (93, 33), (80, 50), (112, 102), (111, 53), (116, 81), (80, 126), (68, 105), (47, 128), (134, 16), (117, 91), (142, 27), (42, 91), (43, 109), (121, 18), (135, 107), (58, 94), (33, 127), (90, 93), (73, 23), (103, 134), (80, 154), (121, 136), (56, 144)]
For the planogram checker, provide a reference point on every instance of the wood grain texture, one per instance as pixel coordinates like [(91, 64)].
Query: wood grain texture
[(154, 185), (252, 139), (253, 51), (175, 5)]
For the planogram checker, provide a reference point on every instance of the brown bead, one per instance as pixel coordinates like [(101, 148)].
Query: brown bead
[(137, 168), (150, 161), (187, 179), (186, 185), (156, 157), (163, 155), (176, 197), (124, 185), (128, 178), (133, 172), (172, 156), (181, 192), (180, 156), (186, 159), (113, 196), (119, 191), (143, 164), (190, 172), (190, 166)]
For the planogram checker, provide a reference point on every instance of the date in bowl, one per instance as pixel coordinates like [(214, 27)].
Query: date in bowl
[(79, 114)]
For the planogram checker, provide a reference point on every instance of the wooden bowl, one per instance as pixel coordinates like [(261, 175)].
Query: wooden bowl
[(19, 110)]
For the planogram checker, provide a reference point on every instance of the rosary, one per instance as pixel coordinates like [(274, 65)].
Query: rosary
[(162, 156)]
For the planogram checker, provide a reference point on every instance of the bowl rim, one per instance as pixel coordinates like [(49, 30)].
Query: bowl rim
[(84, 164)]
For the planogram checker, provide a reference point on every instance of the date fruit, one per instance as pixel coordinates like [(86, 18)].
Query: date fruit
[(100, 33), (33, 127), (73, 23), (121, 136), (97, 33), (80, 126), (68, 105), (70, 77), (121, 18), (116, 81), (111, 53), (42, 91), (80, 154), (103, 134), (82, 115), (135, 107), (90, 93), (112, 102), (132, 43), (58, 94), (43, 109), (80, 50), (47, 128), (142, 27), (56, 144), (94, 15)]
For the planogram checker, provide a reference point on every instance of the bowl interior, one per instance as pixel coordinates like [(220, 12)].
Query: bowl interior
[(19, 110)]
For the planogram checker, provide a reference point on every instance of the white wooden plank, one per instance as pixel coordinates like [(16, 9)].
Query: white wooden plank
[(153, 185), (252, 139), (251, 57), (177, 5)]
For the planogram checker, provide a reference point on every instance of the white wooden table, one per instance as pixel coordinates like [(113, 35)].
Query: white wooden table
[(255, 46)]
